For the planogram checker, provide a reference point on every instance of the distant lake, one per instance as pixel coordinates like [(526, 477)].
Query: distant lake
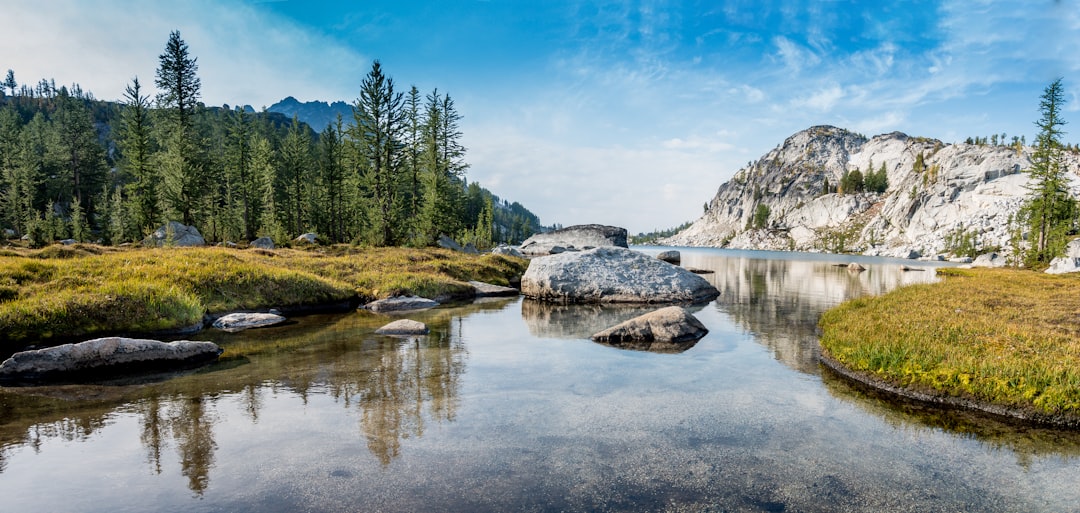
[(508, 406)]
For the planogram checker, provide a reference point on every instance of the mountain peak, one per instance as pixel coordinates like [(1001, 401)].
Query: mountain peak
[(317, 114), (792, 197)]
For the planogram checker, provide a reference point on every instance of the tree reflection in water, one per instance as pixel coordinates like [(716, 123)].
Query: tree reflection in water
[(396, 386)]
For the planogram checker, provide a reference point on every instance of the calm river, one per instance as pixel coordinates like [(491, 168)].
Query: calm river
[(508, 406)]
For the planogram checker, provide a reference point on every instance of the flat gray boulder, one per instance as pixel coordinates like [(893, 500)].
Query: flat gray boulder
[(104, 355), (1070, 263), (506, 250), (448, 243), (488, 290), (242, 321), (262, 243), (175, 234), (612, 275), (667, 326), (585, 236), (404, 327), (989, 260), (670, 256), (307, 238), (400, 304)]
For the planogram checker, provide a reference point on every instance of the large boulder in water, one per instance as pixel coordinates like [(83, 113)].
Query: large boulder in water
[(612, 275), (585, 236), (108, 355), (175, 234)]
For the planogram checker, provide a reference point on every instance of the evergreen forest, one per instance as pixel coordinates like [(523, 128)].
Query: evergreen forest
[(74, 167)]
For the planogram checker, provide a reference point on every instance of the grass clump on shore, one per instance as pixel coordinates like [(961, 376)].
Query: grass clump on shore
[(60, 292), (1005, 337)]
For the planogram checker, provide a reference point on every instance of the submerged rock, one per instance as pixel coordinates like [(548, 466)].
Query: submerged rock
[(404, 327), (612, 275), (400, 303), (580, 236), (241, 321), (106, 356)]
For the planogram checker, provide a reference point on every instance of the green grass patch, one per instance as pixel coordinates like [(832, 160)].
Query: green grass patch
[(1007, 337), (70, 292)]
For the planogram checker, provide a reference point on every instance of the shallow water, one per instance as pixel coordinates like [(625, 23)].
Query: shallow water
[(508, 406)]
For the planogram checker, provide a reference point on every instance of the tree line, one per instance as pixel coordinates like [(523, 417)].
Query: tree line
[(75, 167)]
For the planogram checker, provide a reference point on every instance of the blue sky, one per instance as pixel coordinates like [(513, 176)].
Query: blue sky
[(629, 113)]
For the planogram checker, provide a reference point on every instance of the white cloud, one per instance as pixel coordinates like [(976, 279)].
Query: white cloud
[(243, 55)]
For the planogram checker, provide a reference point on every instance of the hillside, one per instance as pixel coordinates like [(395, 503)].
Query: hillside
[(941, 199)]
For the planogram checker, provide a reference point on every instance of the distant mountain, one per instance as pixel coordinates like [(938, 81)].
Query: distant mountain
[(318, 115), (940, 199)]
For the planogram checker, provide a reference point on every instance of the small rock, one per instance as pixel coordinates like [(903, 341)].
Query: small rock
[(695, 270), (400, 303), (242, 321), (670, 256), (470, 249), (503, 249), (671, 325), (307, 238), (488, 290), (175, 234), (262, 243), (555, 250), (989, 260), (68, 242), (404, 327), (855, 266), (448, 243)]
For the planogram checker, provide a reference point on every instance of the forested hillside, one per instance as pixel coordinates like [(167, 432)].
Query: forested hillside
[(72, 166)]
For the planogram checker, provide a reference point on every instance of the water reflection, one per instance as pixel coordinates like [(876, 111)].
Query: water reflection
[(506, 409), (395, 386), (781, 299)]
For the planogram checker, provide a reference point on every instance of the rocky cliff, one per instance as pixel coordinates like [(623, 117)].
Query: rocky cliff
[(938, 196)]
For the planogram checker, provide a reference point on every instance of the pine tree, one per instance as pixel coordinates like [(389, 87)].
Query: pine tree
[(10, 83), (379, 123), (1050, 210), (178, 99), (135, 145), (333, 181), (295, 163), (83, 156), (239, 163)]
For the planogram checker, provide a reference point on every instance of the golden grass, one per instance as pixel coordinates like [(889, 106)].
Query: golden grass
[(64, 292), (1007, 337)]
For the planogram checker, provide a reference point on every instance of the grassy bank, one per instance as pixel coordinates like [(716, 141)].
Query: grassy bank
[(1003, 337), (86, 290)]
